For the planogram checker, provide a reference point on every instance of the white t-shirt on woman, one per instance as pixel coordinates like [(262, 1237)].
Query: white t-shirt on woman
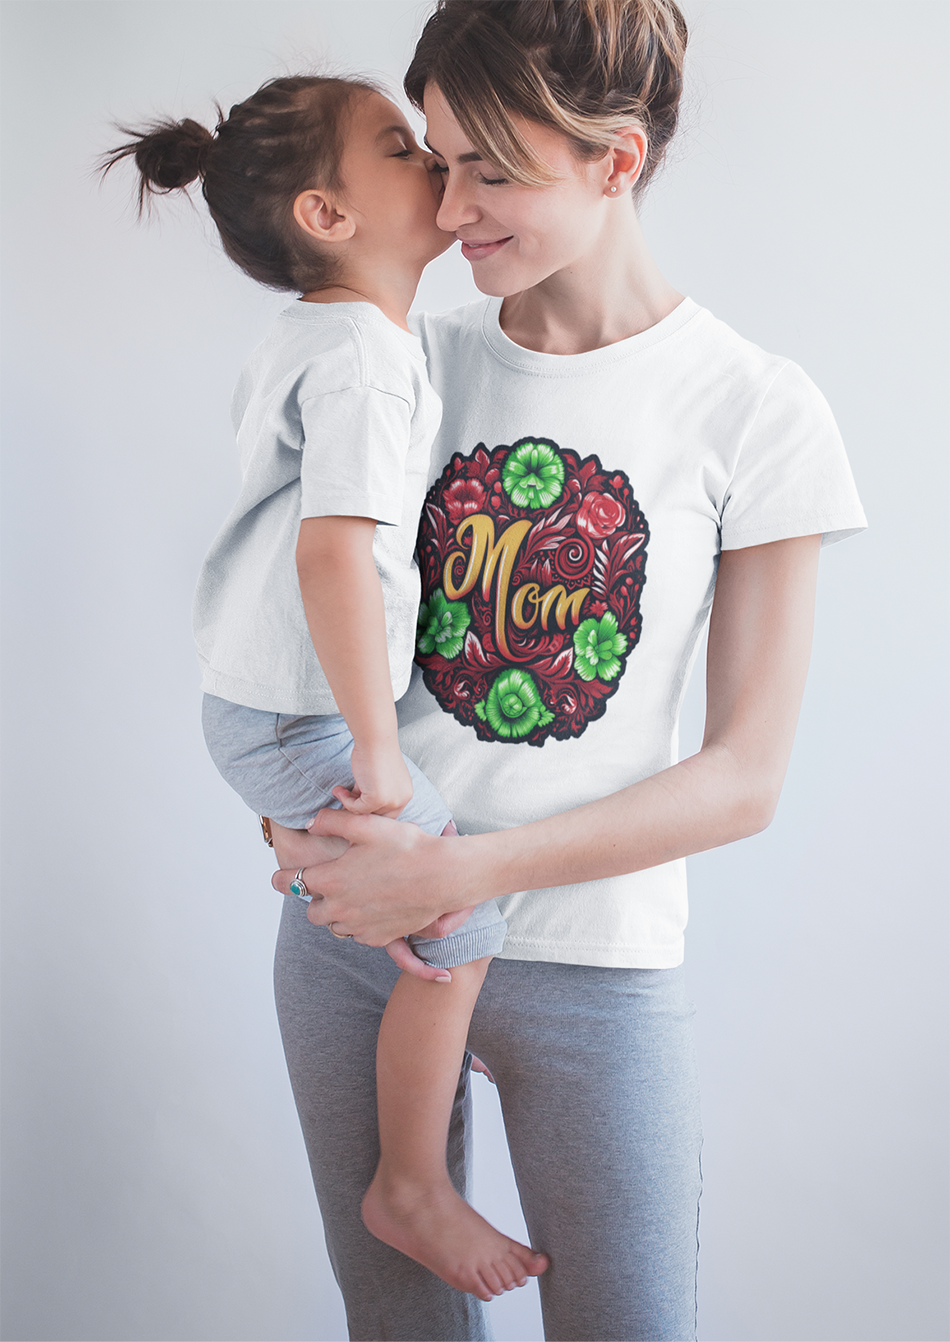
[(568, 549)]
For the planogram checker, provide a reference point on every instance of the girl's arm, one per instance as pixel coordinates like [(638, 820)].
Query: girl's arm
[(343, 601), (394, 878)]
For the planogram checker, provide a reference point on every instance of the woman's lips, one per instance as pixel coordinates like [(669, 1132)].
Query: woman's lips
[(478, 251)]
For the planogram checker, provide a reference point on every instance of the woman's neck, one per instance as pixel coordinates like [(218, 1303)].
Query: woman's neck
[(611, 293)]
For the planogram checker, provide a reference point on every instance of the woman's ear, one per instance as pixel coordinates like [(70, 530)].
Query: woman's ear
[(625, 160), (321, 218)]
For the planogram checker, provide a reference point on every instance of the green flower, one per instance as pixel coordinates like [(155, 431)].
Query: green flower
[(442, 625), (597, 646), (514, 706), (533, 475)]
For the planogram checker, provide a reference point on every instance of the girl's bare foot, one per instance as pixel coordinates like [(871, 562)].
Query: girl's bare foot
[(442, 1232)]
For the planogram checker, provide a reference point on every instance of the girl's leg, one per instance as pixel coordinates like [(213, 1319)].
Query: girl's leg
[(411, 1203), (330, 999), (597, 1079)]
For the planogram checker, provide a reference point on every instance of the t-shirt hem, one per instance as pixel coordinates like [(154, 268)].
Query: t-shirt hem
[(378, 508), (831, 530), (599, 955), (268, 700)]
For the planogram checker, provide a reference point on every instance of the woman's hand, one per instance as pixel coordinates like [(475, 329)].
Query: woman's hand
[(392, 880)]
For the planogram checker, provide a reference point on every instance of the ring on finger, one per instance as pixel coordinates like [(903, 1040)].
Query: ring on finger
[(298, 886), (341, 936)]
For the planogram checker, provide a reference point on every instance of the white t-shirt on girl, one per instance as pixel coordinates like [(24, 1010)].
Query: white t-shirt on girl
[(334, 417), (569, 547)]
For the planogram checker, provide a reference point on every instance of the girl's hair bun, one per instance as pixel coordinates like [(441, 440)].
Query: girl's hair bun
[(287, 137), (168, 154)]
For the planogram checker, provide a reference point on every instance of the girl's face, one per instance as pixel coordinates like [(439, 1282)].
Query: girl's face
[(391, 186), (516, 236)]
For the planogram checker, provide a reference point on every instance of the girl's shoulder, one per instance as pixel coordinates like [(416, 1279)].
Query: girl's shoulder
[(452, 329), (319, 348)]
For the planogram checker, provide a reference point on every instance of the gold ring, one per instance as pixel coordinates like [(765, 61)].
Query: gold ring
[(341, 936)]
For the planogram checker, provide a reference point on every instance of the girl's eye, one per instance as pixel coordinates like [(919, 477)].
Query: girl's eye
[(492, 181), (441, 168), (403, 153)]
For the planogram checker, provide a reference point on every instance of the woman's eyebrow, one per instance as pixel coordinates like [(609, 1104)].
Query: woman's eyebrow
[(472, 157), (389, 130)]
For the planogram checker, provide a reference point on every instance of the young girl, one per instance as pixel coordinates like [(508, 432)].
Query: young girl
[(306, 610)]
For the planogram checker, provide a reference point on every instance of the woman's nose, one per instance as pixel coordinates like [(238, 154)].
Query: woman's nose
[(455, 209)]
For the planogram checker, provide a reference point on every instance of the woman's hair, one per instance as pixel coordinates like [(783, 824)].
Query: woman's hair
[(284, 139), (586, 68)]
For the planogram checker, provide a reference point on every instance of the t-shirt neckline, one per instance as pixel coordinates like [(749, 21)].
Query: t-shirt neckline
[(358, 310), (530, 360)]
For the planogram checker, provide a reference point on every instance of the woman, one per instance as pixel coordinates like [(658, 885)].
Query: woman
[(611, 460)]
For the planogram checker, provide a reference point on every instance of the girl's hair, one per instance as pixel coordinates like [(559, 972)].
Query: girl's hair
[(284, 139), (587, 68)]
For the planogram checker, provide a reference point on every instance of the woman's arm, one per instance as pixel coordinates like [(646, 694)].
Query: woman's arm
[(394, 879), (343, 602)]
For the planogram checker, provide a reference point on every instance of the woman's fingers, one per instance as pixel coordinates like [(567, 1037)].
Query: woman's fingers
[(281, 881), (402, 953), (479, 1066)]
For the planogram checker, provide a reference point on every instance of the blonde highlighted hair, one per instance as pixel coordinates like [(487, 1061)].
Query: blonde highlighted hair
[(586, 68)]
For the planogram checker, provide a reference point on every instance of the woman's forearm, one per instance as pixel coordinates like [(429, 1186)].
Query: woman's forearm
[(703, 802), (395, 879), (759, 647)]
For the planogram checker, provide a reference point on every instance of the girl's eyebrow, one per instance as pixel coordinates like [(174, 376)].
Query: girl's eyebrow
[(472, 157), (388, 130)]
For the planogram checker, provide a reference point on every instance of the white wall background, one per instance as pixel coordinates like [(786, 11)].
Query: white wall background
[(156, 1185)]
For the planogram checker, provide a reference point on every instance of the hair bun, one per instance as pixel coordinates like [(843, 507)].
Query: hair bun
[(173, 153), (168, 155)]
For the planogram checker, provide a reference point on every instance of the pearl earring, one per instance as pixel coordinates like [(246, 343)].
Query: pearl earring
[(613, 188)]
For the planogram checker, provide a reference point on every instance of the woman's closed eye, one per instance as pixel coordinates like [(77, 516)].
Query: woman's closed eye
[(442, 169)]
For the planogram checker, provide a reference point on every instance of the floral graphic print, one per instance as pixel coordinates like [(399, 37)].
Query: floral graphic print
[(441, 625), (533, 561), (533, 475), (597, 647), (514, 707)]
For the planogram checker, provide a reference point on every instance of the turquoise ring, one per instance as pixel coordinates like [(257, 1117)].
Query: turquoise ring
[(298, 887)]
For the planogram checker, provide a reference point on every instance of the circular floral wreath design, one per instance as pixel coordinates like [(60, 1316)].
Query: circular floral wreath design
[(533, 561)]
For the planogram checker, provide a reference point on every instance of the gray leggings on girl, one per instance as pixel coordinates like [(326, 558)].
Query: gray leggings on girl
[(597, 1079)]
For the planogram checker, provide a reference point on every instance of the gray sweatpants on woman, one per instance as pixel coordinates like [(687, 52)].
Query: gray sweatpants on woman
[(597, 1079)]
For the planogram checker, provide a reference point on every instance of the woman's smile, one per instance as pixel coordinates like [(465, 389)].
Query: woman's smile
[(474, 250)]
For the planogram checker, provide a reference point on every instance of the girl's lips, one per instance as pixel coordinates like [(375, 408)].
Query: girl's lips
[(477, 251)]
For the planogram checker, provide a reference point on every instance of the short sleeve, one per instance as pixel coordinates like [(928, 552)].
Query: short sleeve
[(792, 477), (354, 454)]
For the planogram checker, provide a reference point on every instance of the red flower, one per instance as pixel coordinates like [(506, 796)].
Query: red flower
[(463, 497), (599, 515)]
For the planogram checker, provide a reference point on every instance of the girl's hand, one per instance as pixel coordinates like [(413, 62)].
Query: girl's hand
[(381, 785)]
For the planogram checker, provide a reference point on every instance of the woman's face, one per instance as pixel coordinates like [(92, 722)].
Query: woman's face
[(516, 236)]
